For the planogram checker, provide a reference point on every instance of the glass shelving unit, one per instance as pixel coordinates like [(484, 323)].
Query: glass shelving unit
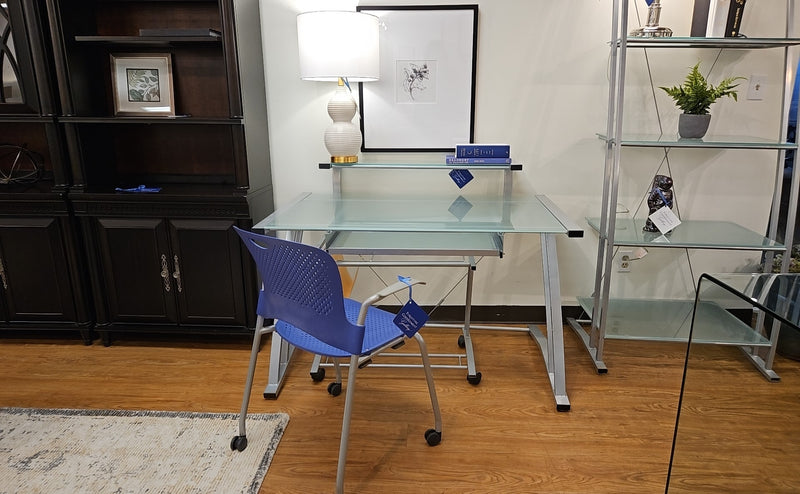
[(669, 319)]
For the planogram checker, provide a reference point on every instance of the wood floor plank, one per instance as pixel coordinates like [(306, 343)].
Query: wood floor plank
[(501, 436)]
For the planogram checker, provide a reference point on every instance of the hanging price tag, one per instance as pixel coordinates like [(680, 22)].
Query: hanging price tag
[(461, 177), (665, 220), (411, 316)]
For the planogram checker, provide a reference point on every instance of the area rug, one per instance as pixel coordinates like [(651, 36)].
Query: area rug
[(117, 451)]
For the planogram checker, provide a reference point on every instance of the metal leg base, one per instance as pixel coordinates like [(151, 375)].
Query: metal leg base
[(759, 363), (599, 365), (280, 355), (562, 401)]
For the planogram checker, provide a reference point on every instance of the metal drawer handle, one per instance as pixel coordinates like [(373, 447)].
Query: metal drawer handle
[(177, 273), (3, 274), (165, 272)]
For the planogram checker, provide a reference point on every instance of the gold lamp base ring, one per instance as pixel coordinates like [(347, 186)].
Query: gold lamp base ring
[(344, 159)]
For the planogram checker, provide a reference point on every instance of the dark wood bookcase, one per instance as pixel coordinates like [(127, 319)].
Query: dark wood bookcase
[(43, 285), (167, 261)]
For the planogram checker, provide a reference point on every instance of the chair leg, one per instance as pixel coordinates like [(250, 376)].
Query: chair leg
[(437, 414), (348, 409), (239, 442)]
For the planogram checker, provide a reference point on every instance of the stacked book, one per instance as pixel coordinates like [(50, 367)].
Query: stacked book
[(717, 18), (480, 154)]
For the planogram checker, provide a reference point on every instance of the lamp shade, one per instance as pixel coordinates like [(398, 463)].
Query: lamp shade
[(335, 44)]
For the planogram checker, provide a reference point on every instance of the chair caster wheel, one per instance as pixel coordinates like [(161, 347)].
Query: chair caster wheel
[(318, 376), (335, 389), (433, 437), (461, 342), (474, 380), (239, 443)]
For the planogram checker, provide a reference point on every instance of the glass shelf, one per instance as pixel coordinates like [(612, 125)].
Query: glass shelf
[(690, 235), (734, 43), (423, 166), (670, 320), (711, 141)]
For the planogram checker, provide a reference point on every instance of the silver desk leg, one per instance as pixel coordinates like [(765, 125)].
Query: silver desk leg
[(552, 346), (280, 355)]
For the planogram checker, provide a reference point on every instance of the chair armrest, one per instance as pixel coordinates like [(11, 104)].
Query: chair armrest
[(377, 297)]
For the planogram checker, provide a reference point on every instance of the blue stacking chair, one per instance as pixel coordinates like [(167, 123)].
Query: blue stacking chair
[(302, 292)]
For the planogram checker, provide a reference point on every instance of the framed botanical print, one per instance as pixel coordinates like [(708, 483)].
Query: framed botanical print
[(142, 84), (425, 98)]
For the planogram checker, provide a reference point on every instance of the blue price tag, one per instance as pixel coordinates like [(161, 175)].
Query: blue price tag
[(410, 318), (461, 177)]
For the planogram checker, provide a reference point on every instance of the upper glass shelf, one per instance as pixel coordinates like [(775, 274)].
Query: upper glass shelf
[(423, 166), (709, 141), (723, 235), (686, 42)]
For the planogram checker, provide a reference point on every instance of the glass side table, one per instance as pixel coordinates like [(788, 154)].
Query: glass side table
[(733, 433)]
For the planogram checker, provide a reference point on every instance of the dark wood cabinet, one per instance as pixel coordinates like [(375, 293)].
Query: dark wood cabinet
[(159, 261), (42, 282), (173, 272)]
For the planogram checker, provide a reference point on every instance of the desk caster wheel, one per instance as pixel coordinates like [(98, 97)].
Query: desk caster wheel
[(432, 437), (461, 342), (318, 376), (238, 443), (335, 389), (474, 380)]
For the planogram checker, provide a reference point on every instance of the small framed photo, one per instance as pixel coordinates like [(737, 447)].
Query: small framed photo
[(425, 98), (142, 84)]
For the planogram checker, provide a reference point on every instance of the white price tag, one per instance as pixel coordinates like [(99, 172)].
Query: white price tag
[(665, 220)]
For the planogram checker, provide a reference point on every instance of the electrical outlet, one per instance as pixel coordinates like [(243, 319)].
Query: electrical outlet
[(624, 259), (755, 91)]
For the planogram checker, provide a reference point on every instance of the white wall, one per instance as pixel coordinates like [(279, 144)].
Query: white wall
[(542, 87)]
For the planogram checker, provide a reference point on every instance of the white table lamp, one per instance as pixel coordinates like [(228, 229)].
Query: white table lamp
[(339, 46)]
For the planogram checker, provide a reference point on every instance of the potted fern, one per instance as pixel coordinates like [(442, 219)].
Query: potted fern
[(695, 97)]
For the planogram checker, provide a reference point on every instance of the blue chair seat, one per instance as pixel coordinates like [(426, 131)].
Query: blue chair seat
[(380, 330)]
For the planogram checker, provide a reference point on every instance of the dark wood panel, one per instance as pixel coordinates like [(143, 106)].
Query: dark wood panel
[(126, 18), (125, 154), (37, 284), (33, 136), (210, 262), (133, 255)]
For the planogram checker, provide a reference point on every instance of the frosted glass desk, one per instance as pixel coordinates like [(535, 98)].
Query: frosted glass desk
[(436, 225)]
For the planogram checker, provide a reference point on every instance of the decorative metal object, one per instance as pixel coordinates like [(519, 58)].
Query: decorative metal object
[(660, 196), (19, 165), (652, 29)]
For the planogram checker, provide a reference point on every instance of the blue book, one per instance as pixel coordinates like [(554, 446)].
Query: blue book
[(452, 160), (483, 151)]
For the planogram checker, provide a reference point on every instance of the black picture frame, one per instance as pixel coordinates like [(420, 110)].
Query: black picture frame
[(425, 98)]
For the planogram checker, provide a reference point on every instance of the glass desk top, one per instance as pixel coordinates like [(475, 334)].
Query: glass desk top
[(324, 212)]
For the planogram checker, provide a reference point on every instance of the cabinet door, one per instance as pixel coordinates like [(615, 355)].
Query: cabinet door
[(136, 270), (35, 281), (207, 269)]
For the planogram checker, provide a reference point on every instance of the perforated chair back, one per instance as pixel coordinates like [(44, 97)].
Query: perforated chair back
[(301, 285)]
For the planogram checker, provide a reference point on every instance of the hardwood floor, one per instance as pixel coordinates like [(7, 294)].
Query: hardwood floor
[(502, 436)]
